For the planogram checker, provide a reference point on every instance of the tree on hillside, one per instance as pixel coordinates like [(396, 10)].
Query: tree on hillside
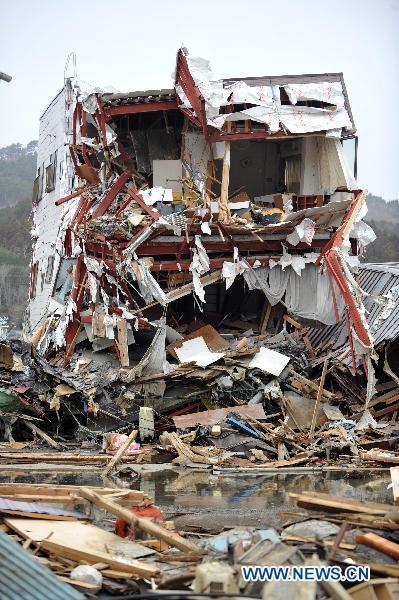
[(17, 172)]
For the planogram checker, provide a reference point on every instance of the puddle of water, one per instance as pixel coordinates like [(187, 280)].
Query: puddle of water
[(236, 500)]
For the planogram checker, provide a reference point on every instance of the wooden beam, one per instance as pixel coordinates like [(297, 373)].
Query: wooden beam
[(224, 211), (122, 342), (142, 523), (134, 567), (318, 397), (42, 435), (116, 459)]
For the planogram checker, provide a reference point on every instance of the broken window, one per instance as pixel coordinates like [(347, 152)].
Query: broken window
[(35, 191), (50, 269), (51, 173), (39, 178), (33, 280)]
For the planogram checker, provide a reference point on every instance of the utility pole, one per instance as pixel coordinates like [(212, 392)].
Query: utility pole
[(5, 77)]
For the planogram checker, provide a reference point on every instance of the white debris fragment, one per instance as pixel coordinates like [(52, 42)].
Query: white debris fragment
[(269, 361), (303, 232), (197, 351)]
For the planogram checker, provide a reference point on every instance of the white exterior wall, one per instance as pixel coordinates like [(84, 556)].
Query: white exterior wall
[(53, 132)]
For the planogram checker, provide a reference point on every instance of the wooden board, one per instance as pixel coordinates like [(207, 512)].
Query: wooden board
[(59, 457), (213, 417), (213, 340), (78, 541)]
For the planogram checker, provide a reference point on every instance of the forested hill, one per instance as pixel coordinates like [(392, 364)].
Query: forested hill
[(383, 217), (17, 172)]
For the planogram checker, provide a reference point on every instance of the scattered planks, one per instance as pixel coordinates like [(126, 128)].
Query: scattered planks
[(80, 542), (60, 457), (68, 494)]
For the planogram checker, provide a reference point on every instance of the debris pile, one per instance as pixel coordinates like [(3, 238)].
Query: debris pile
[(59, 545), (239, 399), (196, 277)]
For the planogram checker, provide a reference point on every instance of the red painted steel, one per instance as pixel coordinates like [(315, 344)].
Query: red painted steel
[(111, 195)]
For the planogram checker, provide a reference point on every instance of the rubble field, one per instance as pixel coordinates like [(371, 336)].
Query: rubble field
[(199, 302)]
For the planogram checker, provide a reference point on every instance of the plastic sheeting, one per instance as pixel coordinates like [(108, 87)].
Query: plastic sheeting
[(309, 295)]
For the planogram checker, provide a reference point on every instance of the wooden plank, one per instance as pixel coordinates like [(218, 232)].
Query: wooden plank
[(32, 490), (141, 522), (61, 457), (213, 417), (42, 434), (318, 397), (267, 309), (134, 566), (122, 342), (224, 211), (113, 574), (119, 454), (98, 324), (311, 384)]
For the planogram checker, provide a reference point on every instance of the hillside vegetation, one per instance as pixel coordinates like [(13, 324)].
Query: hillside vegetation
[(17, 172)]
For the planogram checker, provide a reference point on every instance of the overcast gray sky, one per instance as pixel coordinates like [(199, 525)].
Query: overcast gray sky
[(132, 44)]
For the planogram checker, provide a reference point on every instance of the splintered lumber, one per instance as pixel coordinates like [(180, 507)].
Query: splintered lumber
[(42, 434), (318, 397), (116, 459), (379, 543), (142, 523), (317, 501), (80, 542)]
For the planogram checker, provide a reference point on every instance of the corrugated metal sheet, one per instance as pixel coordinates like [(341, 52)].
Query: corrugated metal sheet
[(36, 507), (22, 577), (374, 279)]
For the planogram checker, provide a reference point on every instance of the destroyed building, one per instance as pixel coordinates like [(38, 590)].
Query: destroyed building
[(156, 213)]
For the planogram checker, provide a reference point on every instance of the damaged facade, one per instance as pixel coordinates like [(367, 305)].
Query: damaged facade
[(156, 213)]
